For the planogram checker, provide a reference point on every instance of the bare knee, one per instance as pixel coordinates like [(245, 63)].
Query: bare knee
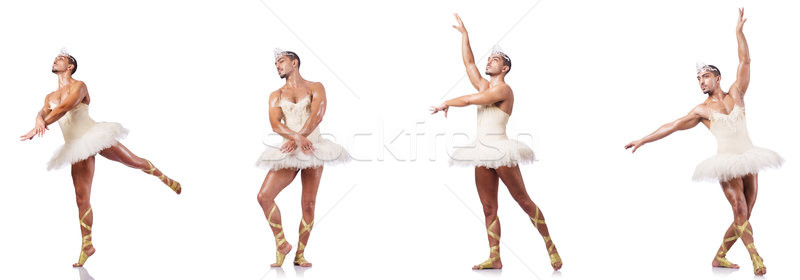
[(138, 164), (526, 204), (308, 206), (264, 199), (530, 207), (82, 200), (122, 155), (740, 212), (489, 209)]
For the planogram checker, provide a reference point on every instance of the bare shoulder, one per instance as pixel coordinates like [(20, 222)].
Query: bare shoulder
[(78, 85), (316, 85), (274, 98), (317, 89), (276, 94), (508, 88), (701, 111), (47, 99), (503, 89)]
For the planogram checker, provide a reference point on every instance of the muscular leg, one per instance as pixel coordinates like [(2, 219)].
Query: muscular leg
[(310, 178), (82, 174), (750, 189), (750, 182), (512, 178), (487, 181), (274, 183), (734, 192), (121, 154)]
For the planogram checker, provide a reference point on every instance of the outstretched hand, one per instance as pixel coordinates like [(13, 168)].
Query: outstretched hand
[(40, 127), (38, 130), (460, 27), (635, 145), (742, 20), (440, 108), (29, 135)]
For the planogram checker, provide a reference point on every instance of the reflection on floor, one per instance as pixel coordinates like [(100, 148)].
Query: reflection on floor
[(84, 274)]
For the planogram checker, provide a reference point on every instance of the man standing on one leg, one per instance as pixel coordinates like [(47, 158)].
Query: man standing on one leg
[(83, 139)]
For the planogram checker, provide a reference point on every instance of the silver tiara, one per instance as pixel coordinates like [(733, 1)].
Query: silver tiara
[(278, 52), (703, 67), (497, 50)]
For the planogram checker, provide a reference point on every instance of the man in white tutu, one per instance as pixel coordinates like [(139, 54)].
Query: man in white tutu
[(295, 112), (493, 155), (83, 139), (737, 162)]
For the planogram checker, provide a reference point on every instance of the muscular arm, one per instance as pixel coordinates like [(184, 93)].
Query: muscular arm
[(275, 116), (743, 71), (39, 126), (686, 122), (469, 60), (44, 111), (486, 97), (319, 103), (76, 93)]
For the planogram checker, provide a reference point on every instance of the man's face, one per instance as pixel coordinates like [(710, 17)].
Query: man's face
[(708, 81), (61, 64), (285, 65), (495, 65)]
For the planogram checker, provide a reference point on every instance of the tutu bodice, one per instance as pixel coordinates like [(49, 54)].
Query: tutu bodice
[(491, 123), (294, 117), (736, 156), (83, 137), (730, 131), (296, 114), (75, 122), (491, 147)]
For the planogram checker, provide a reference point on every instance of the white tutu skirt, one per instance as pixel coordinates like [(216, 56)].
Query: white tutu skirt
[(493, 154), (325, 153), (97, 138), (726, 166)]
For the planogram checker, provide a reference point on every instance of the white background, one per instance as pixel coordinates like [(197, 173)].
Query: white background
[(190, 79)]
